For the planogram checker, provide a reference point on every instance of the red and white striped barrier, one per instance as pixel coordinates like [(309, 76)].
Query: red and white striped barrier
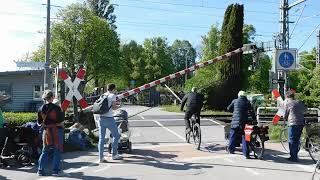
[(73, 89), (180, 73), (281, 110)]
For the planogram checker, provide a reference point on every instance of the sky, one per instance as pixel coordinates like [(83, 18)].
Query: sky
[(23, 22)]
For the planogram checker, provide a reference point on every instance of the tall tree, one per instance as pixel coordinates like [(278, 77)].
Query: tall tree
[(133, 62), (207, 78), (103, 9), (182, 54), (157, 58), (232, 69), (82, 38)]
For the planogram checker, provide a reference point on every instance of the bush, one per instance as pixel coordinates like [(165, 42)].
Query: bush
[(17, 119), (274, 132)]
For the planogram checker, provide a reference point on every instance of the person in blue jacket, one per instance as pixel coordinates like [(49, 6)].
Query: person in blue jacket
[(241, 108)]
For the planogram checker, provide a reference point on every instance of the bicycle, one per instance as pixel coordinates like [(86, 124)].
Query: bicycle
[(256, 137), (195, 132), (310, 141)]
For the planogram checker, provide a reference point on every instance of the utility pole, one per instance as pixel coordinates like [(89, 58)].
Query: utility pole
[(318, 49), (284, 37), (47, 78)]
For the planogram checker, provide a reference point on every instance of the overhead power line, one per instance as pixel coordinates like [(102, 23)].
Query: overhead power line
[(198, 6)]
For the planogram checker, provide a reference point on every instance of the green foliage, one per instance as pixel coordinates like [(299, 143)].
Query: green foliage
[(232, 72), (133, 62), (274, 132), (259, 80), (207, 77), (157, 58), (103, 9), (182, 51), (84, 38), (17, 119)]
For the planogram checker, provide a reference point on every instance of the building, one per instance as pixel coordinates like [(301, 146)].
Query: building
[(25, 89)]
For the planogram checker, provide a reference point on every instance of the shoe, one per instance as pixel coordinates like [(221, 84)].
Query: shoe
[(58, 173), (103, 161), (117, 157), (228, 151), (248, 157), (40, 173), (292, 159)]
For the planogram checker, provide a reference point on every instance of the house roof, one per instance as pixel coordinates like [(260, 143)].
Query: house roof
[(20, 72)]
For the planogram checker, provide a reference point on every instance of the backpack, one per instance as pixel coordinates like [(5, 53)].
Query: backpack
[(101, 106)]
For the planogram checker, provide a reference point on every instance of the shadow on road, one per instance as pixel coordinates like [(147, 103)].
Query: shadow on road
[(80, 175), (276, 156), (161, 159)]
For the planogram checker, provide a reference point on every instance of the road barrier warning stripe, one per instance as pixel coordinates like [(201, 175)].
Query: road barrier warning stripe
[(180, 73)]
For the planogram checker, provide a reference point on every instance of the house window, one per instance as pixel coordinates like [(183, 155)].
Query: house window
[(37, 92)]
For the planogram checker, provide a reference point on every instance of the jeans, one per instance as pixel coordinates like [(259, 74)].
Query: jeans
[(189, 114), (55, 152), (294, 133), (110, 123), (234, 134)]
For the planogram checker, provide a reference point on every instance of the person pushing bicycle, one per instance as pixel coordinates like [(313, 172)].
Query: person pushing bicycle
[(241, 109), (194, 102)]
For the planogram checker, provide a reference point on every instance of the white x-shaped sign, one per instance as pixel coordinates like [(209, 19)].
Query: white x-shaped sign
[(73, 89)]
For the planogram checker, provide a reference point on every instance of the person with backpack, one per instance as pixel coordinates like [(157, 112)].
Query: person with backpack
[(103, 113), (50, 116)]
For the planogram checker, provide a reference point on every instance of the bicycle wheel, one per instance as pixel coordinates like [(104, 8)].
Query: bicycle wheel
[(188, 134), (284, 139), (197, 135), (314, 147), (257, 145)]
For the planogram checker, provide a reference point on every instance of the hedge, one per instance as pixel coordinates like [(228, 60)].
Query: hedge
[(17, 119)]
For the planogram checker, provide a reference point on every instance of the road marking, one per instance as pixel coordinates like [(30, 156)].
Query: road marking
[(162, 145), (252, 171), (228, 160), (204, 158), (176, 134), (306, 168), (216, 122), (141, 117), (103, 169)]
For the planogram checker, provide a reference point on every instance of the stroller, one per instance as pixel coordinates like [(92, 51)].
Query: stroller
[(19, 146), (123, 127)]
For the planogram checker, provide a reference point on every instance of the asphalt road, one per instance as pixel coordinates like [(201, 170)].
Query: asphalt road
[(160, 152)]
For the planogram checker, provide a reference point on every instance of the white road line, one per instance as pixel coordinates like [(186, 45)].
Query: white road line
[(162, 145), (145, 120), (103, 169), (140, 116), (252, 171), (203, 158), (82, 168), (305, 168), (216, 122), (228, 160), (176, 134)]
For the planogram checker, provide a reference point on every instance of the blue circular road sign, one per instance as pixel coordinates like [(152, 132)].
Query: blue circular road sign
[(286, 59)]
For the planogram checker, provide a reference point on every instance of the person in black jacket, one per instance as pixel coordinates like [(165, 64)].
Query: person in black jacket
[(240, 107), (194, 101)]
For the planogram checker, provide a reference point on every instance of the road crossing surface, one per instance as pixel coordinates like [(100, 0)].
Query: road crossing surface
[(160, 152)]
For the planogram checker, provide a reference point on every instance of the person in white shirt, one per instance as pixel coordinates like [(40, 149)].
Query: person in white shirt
[(107, 121)]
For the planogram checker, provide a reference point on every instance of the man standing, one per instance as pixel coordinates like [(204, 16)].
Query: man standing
[(194, 101), (294, 114), (51, 117), (240, 107), (107, 120)]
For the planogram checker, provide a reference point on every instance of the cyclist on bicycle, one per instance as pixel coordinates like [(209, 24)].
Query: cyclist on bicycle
[(294, 114), (194, 101), (241, 108)]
